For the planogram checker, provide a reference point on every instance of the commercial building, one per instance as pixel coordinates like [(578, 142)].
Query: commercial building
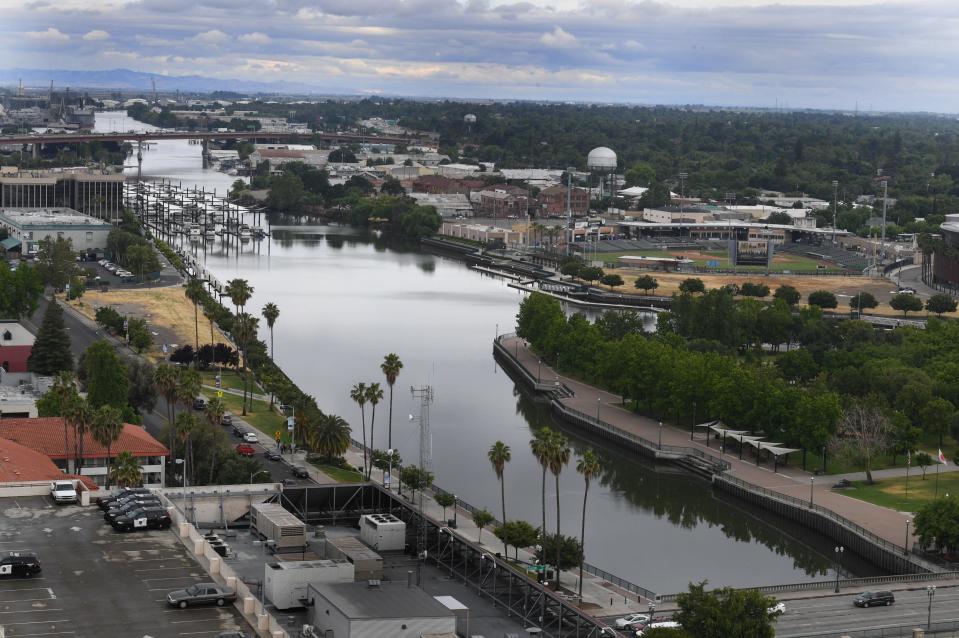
[(453, 205), (16, 344), (438, 184), (552, 201), (31, 225), (945, 265), (277, 157), (46, 436), (95, 193), (501, 202), (673, 214), (481, 233), (361, 610)]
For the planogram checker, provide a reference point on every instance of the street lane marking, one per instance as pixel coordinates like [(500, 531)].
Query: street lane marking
[(29, 611)]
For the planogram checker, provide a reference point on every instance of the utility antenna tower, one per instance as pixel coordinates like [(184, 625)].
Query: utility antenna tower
[(153, 83), (425, 395)]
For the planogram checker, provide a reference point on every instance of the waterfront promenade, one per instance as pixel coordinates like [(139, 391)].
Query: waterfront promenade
[(789, 480)]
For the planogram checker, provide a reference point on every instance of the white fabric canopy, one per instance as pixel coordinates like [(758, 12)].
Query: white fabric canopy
[(779, 451), (707, 424), (718, 429)]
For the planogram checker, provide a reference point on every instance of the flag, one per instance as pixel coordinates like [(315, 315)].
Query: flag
[(942, 458), (908, 458)]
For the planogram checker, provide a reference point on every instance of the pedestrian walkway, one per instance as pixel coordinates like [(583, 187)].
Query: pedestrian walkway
[(888, 524)]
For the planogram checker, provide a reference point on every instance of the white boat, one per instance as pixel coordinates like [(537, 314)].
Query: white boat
[(245, 231), (194, 231), (258, 233)]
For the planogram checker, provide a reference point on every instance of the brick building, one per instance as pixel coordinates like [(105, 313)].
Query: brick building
[(552, 201), (502, 201), (16, 344)]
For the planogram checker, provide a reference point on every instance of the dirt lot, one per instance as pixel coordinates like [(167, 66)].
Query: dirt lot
[(169, 314)]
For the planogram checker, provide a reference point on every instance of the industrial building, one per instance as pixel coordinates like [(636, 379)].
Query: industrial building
[(95, 193), (945, 266), (360, 610), (31, 225)]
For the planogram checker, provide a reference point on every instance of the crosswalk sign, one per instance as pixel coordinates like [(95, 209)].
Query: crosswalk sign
[(219, 394)]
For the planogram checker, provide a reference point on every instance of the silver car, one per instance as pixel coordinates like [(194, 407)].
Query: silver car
[(201, 594)]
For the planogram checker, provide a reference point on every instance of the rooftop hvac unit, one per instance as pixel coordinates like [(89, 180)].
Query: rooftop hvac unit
[(286, 582), (277, 524), (383, 532)]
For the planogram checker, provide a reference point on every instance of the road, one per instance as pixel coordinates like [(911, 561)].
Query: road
[(83, 333)]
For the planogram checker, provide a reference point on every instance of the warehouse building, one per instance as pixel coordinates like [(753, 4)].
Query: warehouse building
[(95, 193), (374, 609), (31, 225)]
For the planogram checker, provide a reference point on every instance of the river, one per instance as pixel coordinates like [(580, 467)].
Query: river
[(347, 299)]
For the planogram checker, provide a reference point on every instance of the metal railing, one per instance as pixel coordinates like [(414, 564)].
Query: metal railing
[(944, 629)]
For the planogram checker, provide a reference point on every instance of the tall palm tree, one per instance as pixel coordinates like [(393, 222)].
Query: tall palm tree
[(374, 394), (183, 426), (558, 455), (126, 470), (539, 446), (210, 314), (194, 292), (65, 392), (165, 380), (81, 416), (589, 466), (239, 291), (330, 436), (391, 367), (499, 455), (270, 312), (214, 415), (244, 333), (358, 394), (106, 429), (187, 389)]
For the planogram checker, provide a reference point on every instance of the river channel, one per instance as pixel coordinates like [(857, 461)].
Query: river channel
[(346, 299)]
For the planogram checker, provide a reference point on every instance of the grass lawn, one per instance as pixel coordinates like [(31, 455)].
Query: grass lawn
[(230, 380), (338, 474), (892, 492), (780, 262), (262, 418)]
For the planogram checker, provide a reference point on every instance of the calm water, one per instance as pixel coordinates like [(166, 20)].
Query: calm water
[(347, 299)]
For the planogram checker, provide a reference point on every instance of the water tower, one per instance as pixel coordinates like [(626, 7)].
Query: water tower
[(470, 120), (602, 160)]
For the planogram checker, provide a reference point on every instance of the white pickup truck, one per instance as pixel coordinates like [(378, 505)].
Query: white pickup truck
[(63, 492)]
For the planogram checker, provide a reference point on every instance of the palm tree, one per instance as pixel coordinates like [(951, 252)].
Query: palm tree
[(65, 392), (539, 446), (558, 455), (183, 426), (239, 291), (244, 332), (589, 466), (270, 312), (106, 429), (330, 436), (391, 367), (358, 394), (210, 314), (126, 470), (81, 416), (215, 409), (165, 380), (194, 292), (374, 394), (188, 385), (499, 455)]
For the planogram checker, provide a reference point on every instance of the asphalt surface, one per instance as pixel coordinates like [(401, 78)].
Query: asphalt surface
[(95, 581)]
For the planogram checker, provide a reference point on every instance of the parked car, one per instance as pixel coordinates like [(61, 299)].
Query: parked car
[(114, 513), (63, 492), (144, 518), (237, 431), (105, 502), (245, 449), (873, 599), (666, 624), (299, 472), (226, 419), (778, 609), (201, 594), (130, 498), (199, 404), (22, 564), (626, 621), (251, 437), (272, 455), (904, 290)]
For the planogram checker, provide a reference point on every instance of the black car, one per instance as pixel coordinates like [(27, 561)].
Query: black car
[(272, 455), (299, 472), (199, 404), (874, 598), (22, 564), (105, 502), (237, 430), (130, 498), (144, 518), (114, 514)]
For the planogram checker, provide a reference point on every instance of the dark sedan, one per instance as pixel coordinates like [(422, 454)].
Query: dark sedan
[(201, 594)]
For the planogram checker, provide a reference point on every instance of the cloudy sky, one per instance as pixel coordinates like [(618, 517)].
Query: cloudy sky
[(898, 55)]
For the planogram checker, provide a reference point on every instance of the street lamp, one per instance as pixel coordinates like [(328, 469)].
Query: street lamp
[(660, 435), (257, 474), (455, 502), (812, 482), (839, 550), (183, 483), (389, 477), (598, 402), (931, 593), (539, 369), (905, 549), (652, 609)]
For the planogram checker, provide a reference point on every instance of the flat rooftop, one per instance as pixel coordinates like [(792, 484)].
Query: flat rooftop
[(49, 217), (386, 600), (98, 582)]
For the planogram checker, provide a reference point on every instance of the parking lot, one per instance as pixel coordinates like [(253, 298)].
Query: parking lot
[(95, 581)]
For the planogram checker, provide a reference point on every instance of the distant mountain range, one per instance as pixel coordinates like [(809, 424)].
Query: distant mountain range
[(127, 80)]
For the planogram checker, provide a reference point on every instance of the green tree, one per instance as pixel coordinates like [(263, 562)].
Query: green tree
[(822, 299), (481, 518), (138, 334), (789, 294), (56, 262), (780, 218), (750, 289), (591, 273), (126, 471), (332, 436), (359, 394), (906, 302), (937, 524), (538, 313), (286, 193), (244, 334), (539, 445), (558, 455), (195, 293), (51, 349), (940, 303), (863, 301), (444, 500), (564, 550), (923, 460), (936, 415), (646, 283), (106, 428), (391, 367), (392, 186), (518, 534), (239, 291), (271, 313), (106, 376), (141, 260), (612, 280), (572, 268), (640, 174), (589, 466), (725, 612), (374, 394), (142, 394), (499, 455), (20, 289), (797, 365), (692, 285)]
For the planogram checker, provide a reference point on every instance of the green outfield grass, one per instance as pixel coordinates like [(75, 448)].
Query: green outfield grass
[(780, 262)]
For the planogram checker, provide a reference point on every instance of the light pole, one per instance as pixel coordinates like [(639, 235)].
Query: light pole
[(660, 435), (812, 482), (455, 502), (257, 474), (905, 549), (183, 484), (539, 369), (652, 610), (839, 550), (931, 593), (599, 401), (389, 476)]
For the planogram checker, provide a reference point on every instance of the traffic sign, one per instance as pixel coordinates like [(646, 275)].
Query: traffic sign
[(276, 436), (217, 381), (219, 394), (289, 423)]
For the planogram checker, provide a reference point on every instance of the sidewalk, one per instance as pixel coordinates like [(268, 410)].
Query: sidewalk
[(792, 481)]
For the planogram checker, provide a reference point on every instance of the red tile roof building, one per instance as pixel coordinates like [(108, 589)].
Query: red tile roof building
[(46, 436), (16, 344), (19, 464)]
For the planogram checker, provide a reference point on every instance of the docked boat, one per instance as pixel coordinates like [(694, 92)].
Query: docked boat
[(194, 231), (245, 231)]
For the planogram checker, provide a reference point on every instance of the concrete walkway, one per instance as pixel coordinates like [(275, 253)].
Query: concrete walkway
[(792, 481)]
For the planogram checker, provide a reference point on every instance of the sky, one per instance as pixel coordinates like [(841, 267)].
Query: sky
[(840, 54)]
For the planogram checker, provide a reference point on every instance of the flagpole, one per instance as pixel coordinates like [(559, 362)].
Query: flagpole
[(937, 479), (908, 463)]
